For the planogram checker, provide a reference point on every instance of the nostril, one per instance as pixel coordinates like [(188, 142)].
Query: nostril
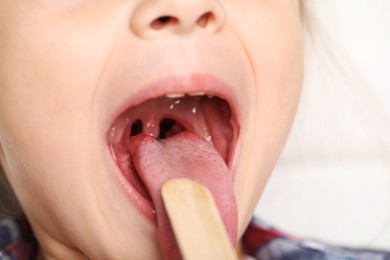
[(167, 20), (136, 128), (154, 19), (204, 19), (163, 21)]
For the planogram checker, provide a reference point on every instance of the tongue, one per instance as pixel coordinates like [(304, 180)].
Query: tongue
[(183, 155)]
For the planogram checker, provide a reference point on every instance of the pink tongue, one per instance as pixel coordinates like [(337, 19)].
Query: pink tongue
[(183, 155)]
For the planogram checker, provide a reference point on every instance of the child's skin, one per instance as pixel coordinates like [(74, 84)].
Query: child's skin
[(67, 67)]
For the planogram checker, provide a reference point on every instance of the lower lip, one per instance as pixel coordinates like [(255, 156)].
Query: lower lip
[(143, 205)]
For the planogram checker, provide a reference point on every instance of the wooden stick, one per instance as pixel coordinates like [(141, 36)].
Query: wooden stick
[(198, 227)]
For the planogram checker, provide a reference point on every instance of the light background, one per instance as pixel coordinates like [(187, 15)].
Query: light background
[(333, 180)]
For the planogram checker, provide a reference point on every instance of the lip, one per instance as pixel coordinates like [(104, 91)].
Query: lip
[(193, 83)]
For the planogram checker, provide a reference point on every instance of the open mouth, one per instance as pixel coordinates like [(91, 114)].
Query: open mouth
[(208, 116)]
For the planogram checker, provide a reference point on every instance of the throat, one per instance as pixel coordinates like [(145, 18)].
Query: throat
[(156, 127)]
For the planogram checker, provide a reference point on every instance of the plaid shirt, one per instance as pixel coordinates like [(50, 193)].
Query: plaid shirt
[(17, 241), (260, 241)]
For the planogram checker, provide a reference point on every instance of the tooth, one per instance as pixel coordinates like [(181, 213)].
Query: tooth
[(174, 95), (197, 94), (210, 95)]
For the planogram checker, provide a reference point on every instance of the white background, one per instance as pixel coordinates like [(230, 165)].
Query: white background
[(333, 180)]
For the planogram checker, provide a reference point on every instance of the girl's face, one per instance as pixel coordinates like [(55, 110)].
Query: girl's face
[(69, 69)]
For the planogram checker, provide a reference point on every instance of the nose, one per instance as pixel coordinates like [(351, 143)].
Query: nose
[(155, 18)]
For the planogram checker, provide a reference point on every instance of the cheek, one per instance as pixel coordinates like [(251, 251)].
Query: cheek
[(47, 75), (274, 46), (51, 59)]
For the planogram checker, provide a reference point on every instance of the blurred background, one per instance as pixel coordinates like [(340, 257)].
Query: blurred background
[(333, 179)]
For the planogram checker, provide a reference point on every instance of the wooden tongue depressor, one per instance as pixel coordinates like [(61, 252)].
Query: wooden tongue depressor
[(195, 220)]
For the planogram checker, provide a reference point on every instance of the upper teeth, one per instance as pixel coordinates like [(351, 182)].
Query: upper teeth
[(175, 95), (179, 95), (197, 94)]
